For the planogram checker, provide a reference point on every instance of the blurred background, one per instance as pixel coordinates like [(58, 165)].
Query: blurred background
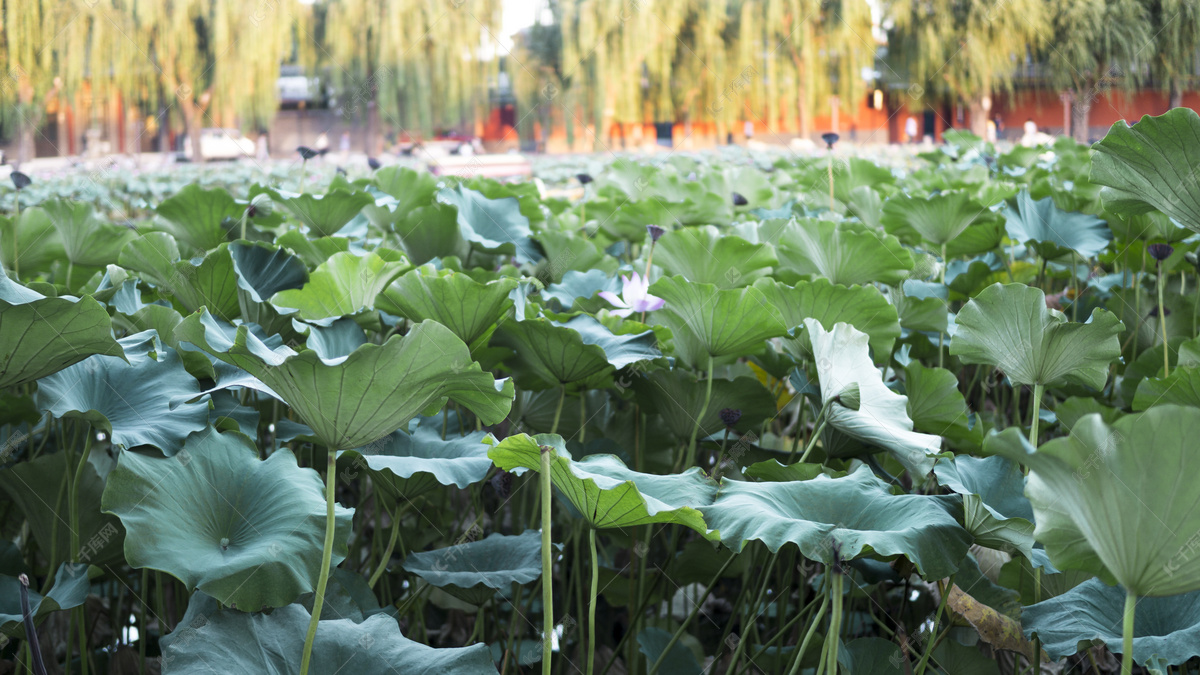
[(201, 80)]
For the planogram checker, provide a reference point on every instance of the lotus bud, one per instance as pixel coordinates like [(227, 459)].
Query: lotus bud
[(850, 398), (730, 416), (1160, 252), (306, 152), (584, 178), (739, 199), (655, 232), (830, 138), (373, 163), (20, 180)]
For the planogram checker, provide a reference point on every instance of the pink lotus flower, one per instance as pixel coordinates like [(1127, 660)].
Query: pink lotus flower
[(635, 297)]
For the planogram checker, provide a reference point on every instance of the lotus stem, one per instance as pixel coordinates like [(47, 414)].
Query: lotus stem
[(944, 262), (929, 642), (582, 417), (557, 411), (649, 260), (326, 557), (1126, 635), (691, 452), (1034, 415), (591, 655), (812, 629), (1162, 321), (245, 212), (835, 623), (547, 561), (818, 427), (36, 665), (387, 552), (831, 180), (695, 610)]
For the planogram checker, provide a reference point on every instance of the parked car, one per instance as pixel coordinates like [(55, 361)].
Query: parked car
[(218, 144)]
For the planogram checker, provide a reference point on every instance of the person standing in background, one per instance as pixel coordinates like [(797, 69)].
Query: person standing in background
[(910, 129), (748, 129)]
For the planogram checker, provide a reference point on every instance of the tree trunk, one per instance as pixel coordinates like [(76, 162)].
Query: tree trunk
[(28, 115), (803, 114), (979, 115), (191, 124), (1081, 109), (1176, 96)]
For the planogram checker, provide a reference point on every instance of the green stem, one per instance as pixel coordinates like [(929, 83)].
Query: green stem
[(1162, 322), (929, 643), (245, 213), (591, 657), (944, 262), (692, 615), (691, 453), (1127, 635), (812, 441), (1035, 417), (831, 180), (70, 269), (835, 623), (87, 451), (812, 628), (558, 410), (387, 552), (547, 561), (326, 557), (582, 417)]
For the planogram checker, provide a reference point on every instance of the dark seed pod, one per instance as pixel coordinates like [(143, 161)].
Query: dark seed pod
[(373, 163), (306, 152), (502, 484), (20, 180), (730, 416), (340, 171), (1160, 252), (655, 232), (739, 200), (584, 178), (830, 138)]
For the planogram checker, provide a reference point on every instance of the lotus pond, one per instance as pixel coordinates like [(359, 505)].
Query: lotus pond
[(719, 413)]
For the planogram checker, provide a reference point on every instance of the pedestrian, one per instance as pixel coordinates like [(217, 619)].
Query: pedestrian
[(910, 129)]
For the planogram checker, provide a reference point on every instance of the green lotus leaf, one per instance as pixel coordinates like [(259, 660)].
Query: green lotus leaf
[(624, 219), (410, 188), (36, 240), (1181, 387), (709, 322), (863, 307), (995, 509), (871, 655), (492, 225), (254, 643), (312, 251), (1053, 232), (70, 589), (550, 355), (131, 401), (844, 362), (212, 284), (40, 335), (332, 342), (470, 309), (413, 461), (844, 253), (921, 306), (1009, 326), (86, 239), (1152, 165), (246, 531), (953, 219), (576, 285), (262, 270), (703, 255), (431, 232), (746, 181), (605, 491), (856, 515), (1118, 501), (475, 570), (38, 488), (325, 214), (936, 406), (567, 251), (194, 215), (353, 401), (620, 349), (678, 396), (343, 285), (1146, 227), (652, 642), (1092, 613)]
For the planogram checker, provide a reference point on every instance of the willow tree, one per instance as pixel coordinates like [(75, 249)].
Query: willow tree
[(425, 64), (1096, 46), (1176, 28), (28, 67), (966, 49)]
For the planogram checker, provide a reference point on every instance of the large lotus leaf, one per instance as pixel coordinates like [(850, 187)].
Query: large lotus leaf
[(30, 240), (470, 309), (70, 589), (707, 321), (343, 285), (856, 515), (1009, 326), (413, 461), (964, 225), (492, 225), (38, 488), (936, 406), (921, 306), (863, 307), (332, 342), (212, 284), (652, 642), (1181, 387), (620, 349), (325, 214), (995, 509), (625, 219), (1152, 165), (431, 232), (131, 400), (567, 251), (475, 570), (576, 285), (605, 491), (1093, 612), (678, 396), (211, 640), (843, 253), (703, 255), (409, 187), (86, 239), (353, 401), (40, 335), (1119, 500), (245, 531), (551, 354), (194, 215), (1146, 227), (843, 363), (262, 270), (1053, 232)]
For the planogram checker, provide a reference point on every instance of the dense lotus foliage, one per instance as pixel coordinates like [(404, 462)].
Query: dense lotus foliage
[(720, 413)]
